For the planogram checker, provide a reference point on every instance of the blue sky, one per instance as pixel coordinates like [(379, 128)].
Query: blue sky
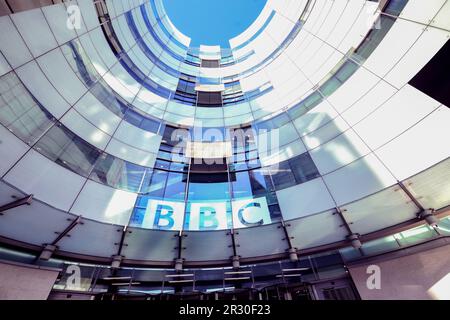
[(221, 20)]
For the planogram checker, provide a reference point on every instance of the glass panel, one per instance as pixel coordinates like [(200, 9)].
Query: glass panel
[(444, 226), (207, 187), (415, 235), (305, 105), (394, 7), (118, 173), (209, 99), (20, 112), (346, 71), (303, 168), (210, 63), (380, 245), (330, 86), (80, 62), (107, 97), (176, 186), (68, 150), (156, 185), (373, 39), (261, 182), (282, 175), (240, 182), (329, 265)]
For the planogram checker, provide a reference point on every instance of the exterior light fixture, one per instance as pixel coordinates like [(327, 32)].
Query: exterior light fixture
[(236, 262), (355, 241), (47, 253), (293, 256), (178, 265), (116, 261), (429, 217)]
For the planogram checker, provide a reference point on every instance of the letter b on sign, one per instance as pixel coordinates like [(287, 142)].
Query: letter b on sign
[(208, 220), (164, 212)]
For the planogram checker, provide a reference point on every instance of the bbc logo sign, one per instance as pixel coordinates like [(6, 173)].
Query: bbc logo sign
[(203, 216)]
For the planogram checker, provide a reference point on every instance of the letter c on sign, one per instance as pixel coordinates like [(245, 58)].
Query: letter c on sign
[(242, 211)]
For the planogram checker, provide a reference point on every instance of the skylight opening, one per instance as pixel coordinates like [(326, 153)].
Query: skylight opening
[(213, 22)]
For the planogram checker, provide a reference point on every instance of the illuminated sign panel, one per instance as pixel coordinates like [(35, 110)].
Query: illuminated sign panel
[(208, 216), (164, 215), (202, 216)]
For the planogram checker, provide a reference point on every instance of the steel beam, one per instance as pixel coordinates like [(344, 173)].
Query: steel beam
[(17, 203)]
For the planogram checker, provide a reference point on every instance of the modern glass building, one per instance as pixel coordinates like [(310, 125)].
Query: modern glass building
[(134, 165)]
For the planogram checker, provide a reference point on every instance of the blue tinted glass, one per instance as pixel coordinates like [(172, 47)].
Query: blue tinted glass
[(261, 182), (118, 173), (65, 148), (303, 168), (176, 186), (240, 182), (282, 175), (208, 187), (109, 98), (156, 185), (394, 7), (131, 177)]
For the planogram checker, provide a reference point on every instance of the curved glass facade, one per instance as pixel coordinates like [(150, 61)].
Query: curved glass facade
[(303, 135)]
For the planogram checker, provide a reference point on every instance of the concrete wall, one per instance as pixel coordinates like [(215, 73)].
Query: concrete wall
[(22, 282), (416, 275)]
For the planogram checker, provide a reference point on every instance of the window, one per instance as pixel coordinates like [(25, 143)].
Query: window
[(282, 175), (208, 187), (109, 99), (186, 87), (175, 137), (80, 62), (275, 123), (275, 212), (374, 38), (118, 173), (347, 69), (253, 94), (293, 171), (175, 186), (68, 150), (141, 122), (241, 185), (210, 63), (155, 185), (260, 182), (305, 105), (303, 168), (209, 99), (394, 7), (20, 112)]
